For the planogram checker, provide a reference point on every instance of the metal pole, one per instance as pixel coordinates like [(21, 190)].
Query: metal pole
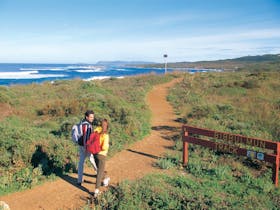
[(165, 66)]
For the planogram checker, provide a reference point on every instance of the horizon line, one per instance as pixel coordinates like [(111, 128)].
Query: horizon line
[(135, 61)]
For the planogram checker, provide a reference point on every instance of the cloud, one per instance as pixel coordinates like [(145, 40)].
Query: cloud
[(191, 48)]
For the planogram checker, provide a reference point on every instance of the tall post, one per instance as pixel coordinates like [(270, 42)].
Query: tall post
[(185, 148), (275, 169), (165, 65)]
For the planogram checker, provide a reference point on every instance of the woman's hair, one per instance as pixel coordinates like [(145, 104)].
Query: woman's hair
[(106, 121)]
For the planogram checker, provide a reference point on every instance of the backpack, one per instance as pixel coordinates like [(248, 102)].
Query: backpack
[(93, 144), (77, 133)]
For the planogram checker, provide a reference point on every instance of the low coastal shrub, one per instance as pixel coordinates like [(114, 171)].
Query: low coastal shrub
[(238, 102), (169, 161), (4, 95), (209, 181), (230, 102), (35, 139), (162, 191)]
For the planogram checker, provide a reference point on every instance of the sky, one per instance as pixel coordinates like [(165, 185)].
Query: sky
[(88, 31)]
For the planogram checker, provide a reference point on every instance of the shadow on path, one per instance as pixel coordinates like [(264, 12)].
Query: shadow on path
[(145, 154), (168, 132), (73, 181), (164, 127), (181, 120), (90, 175)]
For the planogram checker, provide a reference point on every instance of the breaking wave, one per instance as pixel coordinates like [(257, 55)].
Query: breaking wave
[(27, 75)]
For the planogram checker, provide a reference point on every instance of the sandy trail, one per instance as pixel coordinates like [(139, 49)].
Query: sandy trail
[(131, 163)]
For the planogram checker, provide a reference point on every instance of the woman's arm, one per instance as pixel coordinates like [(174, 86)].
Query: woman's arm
[(104, 144)]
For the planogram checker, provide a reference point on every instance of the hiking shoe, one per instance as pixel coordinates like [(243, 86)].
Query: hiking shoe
[(96, 193), (106, 181), (79, 183), (4, 206)]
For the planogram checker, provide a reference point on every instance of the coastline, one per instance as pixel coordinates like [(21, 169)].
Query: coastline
[(22, 74)]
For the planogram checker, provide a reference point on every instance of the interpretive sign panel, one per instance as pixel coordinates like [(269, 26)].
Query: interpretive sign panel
[(234, 144)]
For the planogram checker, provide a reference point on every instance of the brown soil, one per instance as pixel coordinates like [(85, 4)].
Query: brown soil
[(5, 110), (132, 163)]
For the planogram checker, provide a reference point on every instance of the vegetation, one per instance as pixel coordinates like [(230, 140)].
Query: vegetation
[(239, 102), (242, 102), (235, 102), (269, 62), (207, 188), (35, 140)]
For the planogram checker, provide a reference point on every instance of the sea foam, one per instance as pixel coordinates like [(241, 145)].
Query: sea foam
[(101, 77), (27, 75)]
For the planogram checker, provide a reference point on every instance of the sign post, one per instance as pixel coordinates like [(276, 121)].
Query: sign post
[(232, 143)]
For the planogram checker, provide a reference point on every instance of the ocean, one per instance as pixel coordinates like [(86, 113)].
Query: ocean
[(17, 73)]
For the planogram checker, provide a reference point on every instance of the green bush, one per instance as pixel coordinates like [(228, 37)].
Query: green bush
[(4, 95), (241, 103), (161, 191), (165, 163), (35, 143), (250, 84), (211, 180), (201, 111)]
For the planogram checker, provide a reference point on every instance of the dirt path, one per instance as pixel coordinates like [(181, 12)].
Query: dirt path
[(131, 163)]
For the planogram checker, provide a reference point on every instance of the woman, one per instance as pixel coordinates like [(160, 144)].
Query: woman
[(100, 158)]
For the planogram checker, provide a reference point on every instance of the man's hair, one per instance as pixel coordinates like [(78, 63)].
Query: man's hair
[(88, 112)]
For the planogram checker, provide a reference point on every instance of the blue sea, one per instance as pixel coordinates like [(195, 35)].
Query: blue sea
[(13, 74)]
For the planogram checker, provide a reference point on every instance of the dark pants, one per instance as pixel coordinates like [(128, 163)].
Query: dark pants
[(100, 162)]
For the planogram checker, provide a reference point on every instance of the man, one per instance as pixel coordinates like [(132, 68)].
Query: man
[(87, 128)]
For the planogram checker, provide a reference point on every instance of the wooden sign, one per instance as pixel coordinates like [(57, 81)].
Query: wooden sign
[(232, 143)]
